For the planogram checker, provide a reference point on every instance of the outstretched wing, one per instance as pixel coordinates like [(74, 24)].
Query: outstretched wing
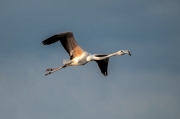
[(103, 64), (68, 41)]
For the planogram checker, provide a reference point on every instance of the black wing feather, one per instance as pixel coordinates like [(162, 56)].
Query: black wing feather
[(103, 64), (67, 40)]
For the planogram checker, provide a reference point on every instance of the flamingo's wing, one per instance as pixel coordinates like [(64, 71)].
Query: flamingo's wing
[(103, 64), (68, 41)]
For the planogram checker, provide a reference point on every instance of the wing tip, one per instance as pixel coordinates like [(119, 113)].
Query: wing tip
[(44, 43), (105, 74)]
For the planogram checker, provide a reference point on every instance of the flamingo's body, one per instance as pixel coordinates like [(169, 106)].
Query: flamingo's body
[(77, 55)]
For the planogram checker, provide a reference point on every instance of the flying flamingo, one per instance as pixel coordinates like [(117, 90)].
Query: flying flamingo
[(77, 55)]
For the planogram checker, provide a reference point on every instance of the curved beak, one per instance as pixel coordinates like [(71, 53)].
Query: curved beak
[(127, 52)]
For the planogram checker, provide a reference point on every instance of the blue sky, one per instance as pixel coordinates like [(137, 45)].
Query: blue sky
[(143, 86)]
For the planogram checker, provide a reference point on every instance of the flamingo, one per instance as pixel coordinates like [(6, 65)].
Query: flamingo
[(78, 56)]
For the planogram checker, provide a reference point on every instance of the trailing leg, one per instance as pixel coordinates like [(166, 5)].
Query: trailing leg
[(52, 70)]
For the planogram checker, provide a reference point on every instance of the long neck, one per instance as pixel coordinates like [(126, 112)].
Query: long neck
[(104, 57)]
